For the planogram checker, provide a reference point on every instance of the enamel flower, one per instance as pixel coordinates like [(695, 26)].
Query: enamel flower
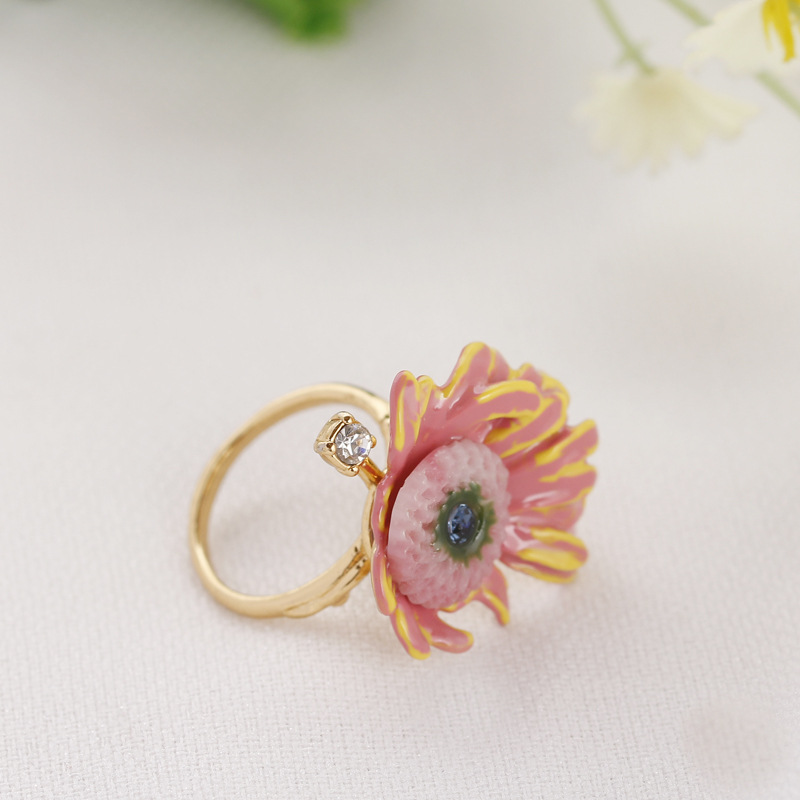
[(743, 36), (647, 115), (480, 470)]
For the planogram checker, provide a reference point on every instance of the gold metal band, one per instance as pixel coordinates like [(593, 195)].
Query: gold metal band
[(332, 586)]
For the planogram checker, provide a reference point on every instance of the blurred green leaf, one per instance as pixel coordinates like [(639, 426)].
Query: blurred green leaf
[(308, 19)]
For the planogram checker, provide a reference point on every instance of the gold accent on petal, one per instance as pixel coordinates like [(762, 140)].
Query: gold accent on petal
[(468, 355), (423, 388), (503, 388), (384, 507), (551, 385), (399, 440), (555, 452), (574, 470), (497, 603), (466, 601), (581, 495), (388, 586), (562, 560), (403, 633), (544, 576), (555, 536), (499, 434)]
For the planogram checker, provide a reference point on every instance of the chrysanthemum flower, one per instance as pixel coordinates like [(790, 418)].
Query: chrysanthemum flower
[(484, 468), (741, 37), (648, 115)]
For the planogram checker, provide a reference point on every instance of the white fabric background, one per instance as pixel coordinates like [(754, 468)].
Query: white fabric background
[(198, 216)]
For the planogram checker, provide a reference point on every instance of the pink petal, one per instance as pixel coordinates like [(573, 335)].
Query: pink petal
[(382, 583), (424, 416), (477, 367), (562, 517), (545, 553), (555, 473), (410, 404), (526, 431), (408, 631), (384, 500), (442, 635), (494, 595), (527, 372)]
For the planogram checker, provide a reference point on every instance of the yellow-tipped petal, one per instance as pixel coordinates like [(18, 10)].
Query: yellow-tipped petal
[(387, 584), (401, 627), (574, 470), (410, 399), (466, 601), (500, 608), (465, 364), (550, 577), (553, 386), (554, 536), (515, 399), (552, 406), (557, 450), (562, 560), (563, 552), (384, 509)]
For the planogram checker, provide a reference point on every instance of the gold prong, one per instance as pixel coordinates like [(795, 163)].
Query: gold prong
[(370, 472), (325, 446)]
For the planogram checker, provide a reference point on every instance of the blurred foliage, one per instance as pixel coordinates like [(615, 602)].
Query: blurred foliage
[(308, 19)]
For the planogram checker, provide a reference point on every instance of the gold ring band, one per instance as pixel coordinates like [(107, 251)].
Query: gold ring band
[(332, 586)]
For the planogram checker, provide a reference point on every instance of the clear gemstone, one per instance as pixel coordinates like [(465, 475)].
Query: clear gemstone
[(352, 444)]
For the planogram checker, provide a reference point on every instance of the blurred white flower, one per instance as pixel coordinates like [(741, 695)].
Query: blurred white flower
[(741, 37), (647, 115)]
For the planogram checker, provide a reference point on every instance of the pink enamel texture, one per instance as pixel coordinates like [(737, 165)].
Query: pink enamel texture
[(493, 427), (423, 572)]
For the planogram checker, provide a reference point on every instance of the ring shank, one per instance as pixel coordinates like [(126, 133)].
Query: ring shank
[(332, 586)]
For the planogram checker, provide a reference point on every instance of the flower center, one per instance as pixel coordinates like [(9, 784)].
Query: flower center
[(462, 525), (464, 522)]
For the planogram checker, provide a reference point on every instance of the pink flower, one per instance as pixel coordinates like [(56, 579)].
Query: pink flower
[(484, 468)]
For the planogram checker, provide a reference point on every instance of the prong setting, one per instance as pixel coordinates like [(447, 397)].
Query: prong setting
[(345, 443)]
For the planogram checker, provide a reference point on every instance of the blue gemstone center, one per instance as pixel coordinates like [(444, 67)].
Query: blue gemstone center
[(463, 525)]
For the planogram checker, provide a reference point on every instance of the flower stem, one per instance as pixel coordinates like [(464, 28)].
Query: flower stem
[(630, 51), (689, 11), (766, 79), (772, 84)]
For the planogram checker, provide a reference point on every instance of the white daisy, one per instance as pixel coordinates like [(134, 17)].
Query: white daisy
[(647, 115), (738, 38)]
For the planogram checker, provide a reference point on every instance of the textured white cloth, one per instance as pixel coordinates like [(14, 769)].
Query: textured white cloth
[(198, 216)]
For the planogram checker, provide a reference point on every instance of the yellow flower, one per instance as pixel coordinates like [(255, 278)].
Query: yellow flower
[(736, 37), (778, 15)]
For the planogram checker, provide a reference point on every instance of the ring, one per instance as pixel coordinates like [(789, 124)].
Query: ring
[(480, 470)]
